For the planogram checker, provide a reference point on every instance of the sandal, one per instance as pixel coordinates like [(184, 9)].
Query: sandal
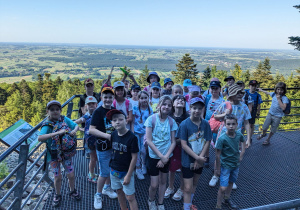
[(266, 142), (75, 195), (56, 200), (261, 136)]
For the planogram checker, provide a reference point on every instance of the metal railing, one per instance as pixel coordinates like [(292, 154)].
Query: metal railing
[(21, 170)]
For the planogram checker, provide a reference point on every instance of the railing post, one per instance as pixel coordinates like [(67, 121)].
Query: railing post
[(18, 192), (47, 178), (70, 109)]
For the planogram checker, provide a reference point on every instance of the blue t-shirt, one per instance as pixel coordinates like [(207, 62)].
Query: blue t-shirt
[(161, 135), (255, 97), (48, 129), (230, 155), (275, 108), (140, 116), (195, 136), (211, 106)]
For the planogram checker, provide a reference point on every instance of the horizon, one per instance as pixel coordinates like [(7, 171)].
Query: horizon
[(198, 24)]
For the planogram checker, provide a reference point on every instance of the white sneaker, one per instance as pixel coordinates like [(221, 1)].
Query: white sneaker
[(97, 201), (161, 207), (178, 170), (139, 174), (213, 181), (169, 192), (234, 187), (144, 169), (152, 205), (109, 192), (178, 195)]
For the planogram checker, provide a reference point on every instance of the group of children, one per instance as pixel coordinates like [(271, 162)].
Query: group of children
[(158, 132)]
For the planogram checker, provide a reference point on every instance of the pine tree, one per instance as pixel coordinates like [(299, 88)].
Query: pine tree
[(38, 93), (49, 90), (246, 76), (237, 72), (213, 71), (3, 96), (206, 76), (262, 73), (58, 81), (186, 69), (295, 40), (142, 79), (13, 88)]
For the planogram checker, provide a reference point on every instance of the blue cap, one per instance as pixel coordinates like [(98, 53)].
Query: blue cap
[(215, 84), (152, 73), (187, 82), (196, 100), (167, 80), (155, 85)]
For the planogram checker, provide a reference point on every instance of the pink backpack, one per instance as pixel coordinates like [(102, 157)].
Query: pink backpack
[(126, 104), (215, 124)]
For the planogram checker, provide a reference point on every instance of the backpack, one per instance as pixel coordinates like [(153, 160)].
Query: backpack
[(89, 139), (288, 106), (215, 124), (153, 118), (127, 102), (62, 147)]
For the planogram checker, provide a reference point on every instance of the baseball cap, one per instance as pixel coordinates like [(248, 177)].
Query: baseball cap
[(253, 82), (88, 81), (53, 102), (155, 85), (215, 84), (119, 84), (240, 82), (90, 99), (112, 112), (167, 80), (194, 88), (187, 82), (107, 89), (214, 79), (196, 100), (133, 87), (230, 77), (152, 73)]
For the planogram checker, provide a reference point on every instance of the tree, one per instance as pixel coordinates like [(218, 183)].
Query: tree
[(246, 76), (236, 72), (186, 69), (206, 76), (295, 40), (58, 81), (49, 89), (142, 79), (262, 73), (38, 93), (3, 96)]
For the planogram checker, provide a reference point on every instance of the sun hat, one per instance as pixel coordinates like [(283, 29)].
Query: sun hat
[(155, 85), (90, 99), (112, 112), (107, 89), (196, 100), (230, 77), (234, 89), (167, 80), (152, 73), (187, 82), (119, 84), (215, 84), (53, 102)]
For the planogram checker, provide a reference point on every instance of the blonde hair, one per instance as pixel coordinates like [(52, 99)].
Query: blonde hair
[(162, 100)]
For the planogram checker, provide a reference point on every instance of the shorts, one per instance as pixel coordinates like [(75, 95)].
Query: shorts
[(175, 160), (104, 159), (153, 170), (117, 184), (228, 175), (273, 121), (67, 164), (253, 116), (187, 173)]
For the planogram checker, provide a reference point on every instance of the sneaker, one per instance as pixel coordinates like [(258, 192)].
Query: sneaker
[(169, 192), (193, 207), (144, 169), (97, 201), (234, 187), (178, 170), (178, 195), (109, 192), (230, 204), (152, 205), (161, 207), (139, 174), (213, 181)]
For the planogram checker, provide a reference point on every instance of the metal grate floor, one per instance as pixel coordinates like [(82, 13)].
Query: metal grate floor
[(268, 174)]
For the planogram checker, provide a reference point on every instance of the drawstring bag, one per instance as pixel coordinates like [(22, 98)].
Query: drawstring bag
[(214, 123)]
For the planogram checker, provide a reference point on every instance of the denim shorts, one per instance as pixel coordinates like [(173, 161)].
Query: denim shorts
[(117, 183), (228, 175), (104, 159)]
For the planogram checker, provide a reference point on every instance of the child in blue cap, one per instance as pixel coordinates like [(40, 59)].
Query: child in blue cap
[(152, 77), (186, 84), (168, 84)]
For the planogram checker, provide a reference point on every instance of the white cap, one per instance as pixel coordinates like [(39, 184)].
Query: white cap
[(90, 99)]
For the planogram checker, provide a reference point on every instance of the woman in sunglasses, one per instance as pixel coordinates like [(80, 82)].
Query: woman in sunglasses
[(212, 102)]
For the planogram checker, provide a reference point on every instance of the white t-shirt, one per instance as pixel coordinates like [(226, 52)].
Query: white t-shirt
[(134, 103), (122, 107)]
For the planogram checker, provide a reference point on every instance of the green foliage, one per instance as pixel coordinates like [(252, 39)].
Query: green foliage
[(3, 96), (142, 79), (295, 40), (262, 74), (186, 69), (237, 72), (206, 76), (3, 170)]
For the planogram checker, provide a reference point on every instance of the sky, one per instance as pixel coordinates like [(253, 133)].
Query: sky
[(260, 24)]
